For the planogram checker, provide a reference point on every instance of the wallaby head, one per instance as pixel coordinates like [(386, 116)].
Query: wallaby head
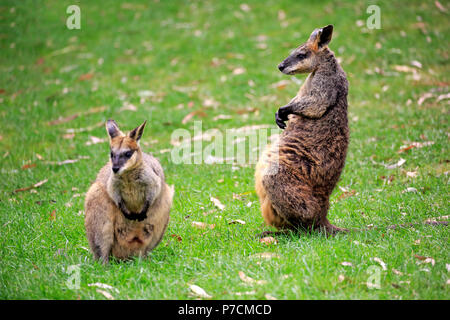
[(126, 153), (307, 57)]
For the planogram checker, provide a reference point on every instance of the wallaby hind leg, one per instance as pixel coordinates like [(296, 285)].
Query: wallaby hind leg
[(99, 222), (270, 216), (330, 228)]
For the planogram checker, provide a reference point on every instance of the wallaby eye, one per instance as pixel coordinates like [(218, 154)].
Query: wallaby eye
[(112, 154), (301, 56), (128, 154)]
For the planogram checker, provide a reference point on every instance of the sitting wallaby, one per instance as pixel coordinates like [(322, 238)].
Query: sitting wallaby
[(127, 207), (295, 177)]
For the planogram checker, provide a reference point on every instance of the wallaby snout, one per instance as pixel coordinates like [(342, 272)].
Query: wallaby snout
[(281, 66)]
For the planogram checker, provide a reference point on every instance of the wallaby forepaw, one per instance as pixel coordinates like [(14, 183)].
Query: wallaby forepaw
[(280, 123), (282, 115)]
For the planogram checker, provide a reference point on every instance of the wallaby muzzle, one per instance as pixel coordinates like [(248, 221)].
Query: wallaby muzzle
[(281, 66), (117, 163)]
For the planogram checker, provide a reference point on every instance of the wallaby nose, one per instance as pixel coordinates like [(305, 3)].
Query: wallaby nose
[(115, 169), (281, 66)]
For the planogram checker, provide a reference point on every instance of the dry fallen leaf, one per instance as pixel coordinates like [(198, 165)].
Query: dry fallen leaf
[(429, 260), (179, 239), (443, 97), (404, 69), (411, 174), (86, 76), (69, 136), (347, 264), (237, 221), (280, 85), (346, 194), (245, 7), (440, 6), (28, 166), (36, 185), (381, 262), (245, 293), (217, 203), (94, 140), (250, 280), (268, 240), (424, 97), (102, 286), (128, 107), (422, 144), (396, 165), (68, 161), (222, 117), (190, 115), (76, 115), (106, 294), (269, 297), (371, 285), (202, 225), (424, 259), (199, 292), (405, 149), (435, 219), (63, 120), (239, 71), (265, 255), (397, 272), (410, 189)]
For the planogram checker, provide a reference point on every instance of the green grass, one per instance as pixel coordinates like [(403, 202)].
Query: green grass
[(167, 45)]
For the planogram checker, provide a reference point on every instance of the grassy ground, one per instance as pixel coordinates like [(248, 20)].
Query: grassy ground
[(220, 58)]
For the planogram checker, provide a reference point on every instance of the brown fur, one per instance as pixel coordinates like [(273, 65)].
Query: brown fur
[(138, 187), (296, 176)]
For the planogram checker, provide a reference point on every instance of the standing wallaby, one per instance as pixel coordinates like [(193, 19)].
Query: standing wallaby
[(127, 207), (295, 177)]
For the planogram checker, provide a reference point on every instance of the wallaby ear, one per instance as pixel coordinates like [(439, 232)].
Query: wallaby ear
[(325, 36), (113, 129), (136, 133), (319, 38)]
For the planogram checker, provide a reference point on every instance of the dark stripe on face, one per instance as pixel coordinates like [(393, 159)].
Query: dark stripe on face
[(119, 159)]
